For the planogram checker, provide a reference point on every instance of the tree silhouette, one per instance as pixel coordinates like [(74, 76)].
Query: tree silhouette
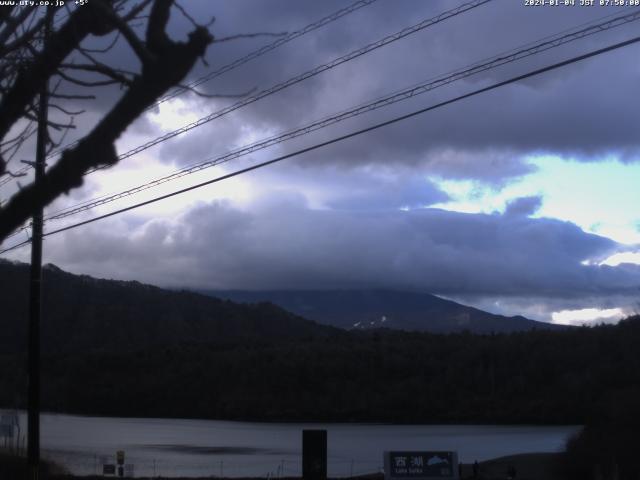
[(31, 55)]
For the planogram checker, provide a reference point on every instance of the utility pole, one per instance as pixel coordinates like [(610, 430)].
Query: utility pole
[(35, 281)]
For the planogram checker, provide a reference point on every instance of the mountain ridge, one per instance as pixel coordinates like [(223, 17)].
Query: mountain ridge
[(394, 309), (82, 313)]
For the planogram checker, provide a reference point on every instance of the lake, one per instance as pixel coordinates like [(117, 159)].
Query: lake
[(175, 447)]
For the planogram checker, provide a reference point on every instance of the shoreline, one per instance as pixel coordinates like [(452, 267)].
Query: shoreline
[(529, 466), (309, 422)]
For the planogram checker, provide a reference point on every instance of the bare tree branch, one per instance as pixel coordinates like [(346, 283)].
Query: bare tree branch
[(23, 39), (50, 123), (157, 39), (72, 97), (109, 46), (86, 83), (250, 35), (28, 82), (115, 74), (135, 10), (53, 144), (18, 136), (16, 175), (186, 15), (5, 13), (12, 24), (133, 40), (65, 111), (166, 64)]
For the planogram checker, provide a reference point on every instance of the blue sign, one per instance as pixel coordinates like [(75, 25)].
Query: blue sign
[(421, 465)]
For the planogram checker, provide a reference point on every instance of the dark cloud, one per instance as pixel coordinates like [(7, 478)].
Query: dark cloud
[(279, 242), (389, 195), (582, 111), (348, 229), (524, 206)]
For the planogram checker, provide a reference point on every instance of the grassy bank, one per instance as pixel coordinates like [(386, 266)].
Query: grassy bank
[(13, 467), (532, 466)]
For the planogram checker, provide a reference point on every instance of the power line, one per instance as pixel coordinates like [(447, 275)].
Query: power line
[(292, 81), (19, 173), (26, 168), (590, 29), (267, 48), (478, 67), (479, 91), (305, 76), (301, 77), (483, 65), (18, 231), (233, 65)]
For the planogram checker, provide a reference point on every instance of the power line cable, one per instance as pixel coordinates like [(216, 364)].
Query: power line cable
[(381, 102), (233, 65), (252, 55), (21, 172), (267, 48), (593, 28), (292, 81), (529, 49), (305, 76), (479, 91)]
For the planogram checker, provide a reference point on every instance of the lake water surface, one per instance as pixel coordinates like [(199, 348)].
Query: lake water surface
[(173, 447)]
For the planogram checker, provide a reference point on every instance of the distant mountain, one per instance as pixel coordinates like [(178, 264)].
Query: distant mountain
[(369, 309), (83, 314), (128, 349)]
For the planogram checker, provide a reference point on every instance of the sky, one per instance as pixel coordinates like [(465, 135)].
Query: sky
[(519, 201)]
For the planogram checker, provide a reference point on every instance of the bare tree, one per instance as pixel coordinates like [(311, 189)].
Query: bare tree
[(30, 55)]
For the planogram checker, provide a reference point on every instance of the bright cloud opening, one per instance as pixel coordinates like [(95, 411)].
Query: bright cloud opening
[(173, 114), (624, 257), (587, 316)]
